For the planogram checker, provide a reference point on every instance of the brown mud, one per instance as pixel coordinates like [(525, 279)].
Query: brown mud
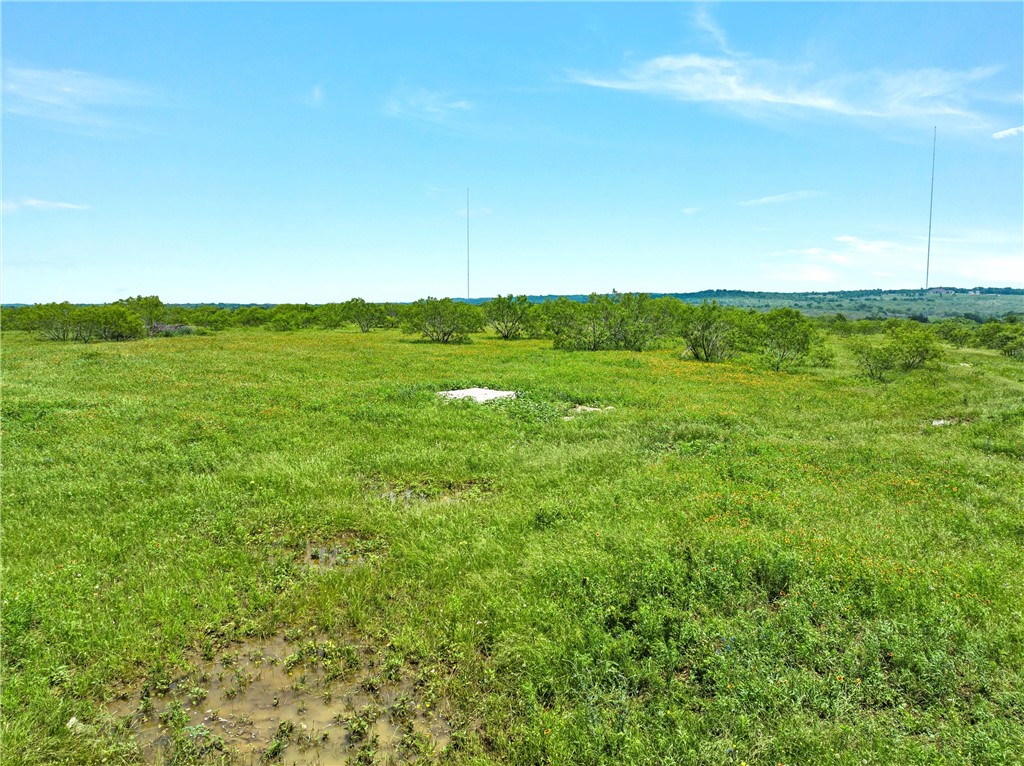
[(430, 491), (345, 549), (275, 701)]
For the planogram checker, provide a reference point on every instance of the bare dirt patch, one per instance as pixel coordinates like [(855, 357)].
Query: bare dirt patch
[(434, 490), (581, 409), (304, 702), (347, 548)]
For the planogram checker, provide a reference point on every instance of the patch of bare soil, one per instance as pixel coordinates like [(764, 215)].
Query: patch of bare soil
[(309, 702), (345, 549), (582, 408), (437, 491)]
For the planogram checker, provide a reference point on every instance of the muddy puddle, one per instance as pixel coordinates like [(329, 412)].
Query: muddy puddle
[(430, 491), (346, 549), (277, 701)]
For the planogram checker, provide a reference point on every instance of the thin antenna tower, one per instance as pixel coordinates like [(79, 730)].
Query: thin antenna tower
[(931, 204), (467, 243)]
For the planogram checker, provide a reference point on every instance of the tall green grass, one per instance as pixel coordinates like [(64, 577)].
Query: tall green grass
[(732, 565)]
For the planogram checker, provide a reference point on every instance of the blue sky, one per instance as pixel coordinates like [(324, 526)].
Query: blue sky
[(281, 152)]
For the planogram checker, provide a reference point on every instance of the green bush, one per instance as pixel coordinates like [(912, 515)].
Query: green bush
[(997, 335), (584, 326), (630, 321), (785, 337), (711, 333), (872, 359), (511, 317), (1014, 348), (911, 345), (250, 316), (52, 321), (820, 355), (110, 323), (14, 317), (391, 314), (284, 320), (442, 321), (959, 332), (838, 324), (865, 327), (149, 308), (558, 320), (365, 315), (638, 321), (298, 316), (211, 317)]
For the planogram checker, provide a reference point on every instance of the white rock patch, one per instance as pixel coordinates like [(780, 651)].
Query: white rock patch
[(581, 408), (477, 394)]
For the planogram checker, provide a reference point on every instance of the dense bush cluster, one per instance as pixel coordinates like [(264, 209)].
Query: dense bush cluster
[(442, 321), (61, 321), (709, 332), (64, 321), (905, 348)]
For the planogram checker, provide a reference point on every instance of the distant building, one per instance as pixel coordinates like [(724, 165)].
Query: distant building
[(940, 291)]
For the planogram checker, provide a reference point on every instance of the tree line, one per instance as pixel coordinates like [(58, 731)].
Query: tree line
[(710, 332)]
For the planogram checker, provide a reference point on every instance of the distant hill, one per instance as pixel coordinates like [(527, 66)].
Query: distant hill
[(936, 302), (722, 295)]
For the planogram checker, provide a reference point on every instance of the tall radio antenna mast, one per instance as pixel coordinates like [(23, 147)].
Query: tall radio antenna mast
[(467, 243), (931, 204)]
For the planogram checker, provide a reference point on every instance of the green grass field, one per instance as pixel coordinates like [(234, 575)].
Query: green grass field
[(731, 566)]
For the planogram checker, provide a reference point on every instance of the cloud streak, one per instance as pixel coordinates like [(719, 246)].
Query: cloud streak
[(750, 84), (40, 204), (68, 96), (425, 105), (1009, 132), (974, 256), (778, 198), (703, 21)]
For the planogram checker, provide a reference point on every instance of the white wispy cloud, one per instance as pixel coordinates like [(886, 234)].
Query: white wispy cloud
[(777, 198), (40, 204), (425, 105), (703, 20), (751, 84), (917, 93), (316, 96), (1009, 132), (691, 210), (694, 77), (748, 82), (974, 257), (68, 96)]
